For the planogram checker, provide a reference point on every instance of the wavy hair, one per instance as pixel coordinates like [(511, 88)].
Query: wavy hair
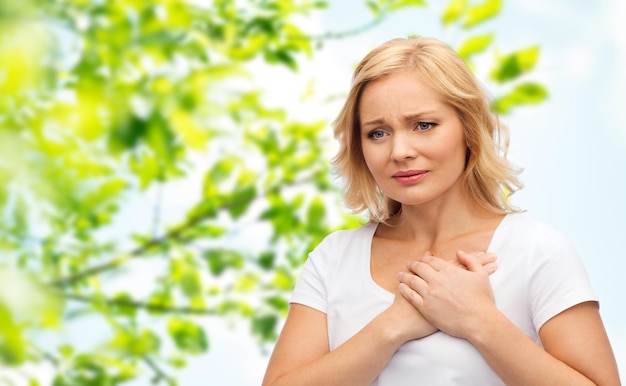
[(489, 178)]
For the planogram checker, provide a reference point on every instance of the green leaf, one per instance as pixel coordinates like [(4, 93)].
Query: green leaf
[(188, 336), (127, 134), (523, 94), (222, 170), (191, 282), (374, 7), (515, 64), (204, 231), (246, 283), (245, 192), (475, 45), (12, 342), (282, 56), (316, 212), (284, 280), (482, 12), (321, 4), (453, 11), (66, 350), (136, 345), (266, 260), (162, 299), (124, 308), (220, 260), (279, 303), (241, 200), (178, 362), (265, 326), (161, 139), (399, 4), (94, 369)]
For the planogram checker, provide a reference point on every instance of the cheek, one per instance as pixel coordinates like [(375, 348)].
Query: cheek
[(452, 155)]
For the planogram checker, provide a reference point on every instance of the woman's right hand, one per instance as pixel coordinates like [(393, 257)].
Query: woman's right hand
[(407, 321)]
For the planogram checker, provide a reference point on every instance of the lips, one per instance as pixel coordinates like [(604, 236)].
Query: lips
[(407, 177), (409, 173)]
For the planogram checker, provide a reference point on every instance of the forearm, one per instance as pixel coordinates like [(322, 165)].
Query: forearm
[(358, 361), (518, 360)]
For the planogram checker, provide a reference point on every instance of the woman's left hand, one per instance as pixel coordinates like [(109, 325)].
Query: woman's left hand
[(455, 300)]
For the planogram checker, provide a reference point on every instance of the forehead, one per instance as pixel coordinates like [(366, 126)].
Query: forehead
[(401, 91)]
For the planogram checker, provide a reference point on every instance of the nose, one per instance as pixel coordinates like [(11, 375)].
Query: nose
[(404, 147)]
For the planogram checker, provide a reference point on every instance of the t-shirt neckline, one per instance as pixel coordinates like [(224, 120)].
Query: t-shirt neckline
[(366, 266)]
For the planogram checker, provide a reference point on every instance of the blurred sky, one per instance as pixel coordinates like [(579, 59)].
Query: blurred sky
[(572, 147)]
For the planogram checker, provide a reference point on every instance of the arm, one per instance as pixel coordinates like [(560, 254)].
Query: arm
[(302, 355), (460, 302), (577, 350)]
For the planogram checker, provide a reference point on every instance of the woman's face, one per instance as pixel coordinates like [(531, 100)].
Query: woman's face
[(413, 143)]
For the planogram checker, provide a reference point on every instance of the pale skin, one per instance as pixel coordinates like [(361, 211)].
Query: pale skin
[(406, 127)]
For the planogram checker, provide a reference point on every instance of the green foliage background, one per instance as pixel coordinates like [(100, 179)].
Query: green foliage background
[(102, 102)]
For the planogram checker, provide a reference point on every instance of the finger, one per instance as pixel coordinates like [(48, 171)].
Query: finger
[(488, 261), (469, 261), (421, 269), (410, 295), (490, 267), (415, 282), (436, 262), (486, 258)]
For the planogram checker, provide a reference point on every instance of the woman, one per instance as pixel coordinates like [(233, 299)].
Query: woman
[(397, 301)]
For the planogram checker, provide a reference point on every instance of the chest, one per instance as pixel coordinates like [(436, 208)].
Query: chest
[(438, 359), (388, 256)]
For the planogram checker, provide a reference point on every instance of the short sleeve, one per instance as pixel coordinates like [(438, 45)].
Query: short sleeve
[(558, 277), (311, 289)]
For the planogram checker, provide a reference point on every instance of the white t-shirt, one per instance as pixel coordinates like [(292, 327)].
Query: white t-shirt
[(539, 275)]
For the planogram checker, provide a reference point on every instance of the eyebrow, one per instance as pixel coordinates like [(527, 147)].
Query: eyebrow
[(408, 117)]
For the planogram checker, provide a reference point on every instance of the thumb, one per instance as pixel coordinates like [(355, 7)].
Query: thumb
[(469, 261)]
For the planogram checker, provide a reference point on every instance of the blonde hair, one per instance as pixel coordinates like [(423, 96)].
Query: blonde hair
[(488, 178)]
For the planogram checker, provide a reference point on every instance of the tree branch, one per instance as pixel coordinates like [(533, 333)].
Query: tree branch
[(173, 234), (350, 32), (154, 307), (159, 373), (116, 262)]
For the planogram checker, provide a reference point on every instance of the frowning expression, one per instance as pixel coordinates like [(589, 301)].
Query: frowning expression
[(413, 143)]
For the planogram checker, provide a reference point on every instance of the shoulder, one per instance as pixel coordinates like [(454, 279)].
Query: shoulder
[(341, 247), (522, 228), (526, 225), (337, 251), (347, 238)]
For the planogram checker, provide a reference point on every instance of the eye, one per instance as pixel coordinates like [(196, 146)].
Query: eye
[(424, 126), (376, 134)]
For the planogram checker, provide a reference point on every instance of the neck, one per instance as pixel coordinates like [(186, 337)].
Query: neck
[(433, 224)]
